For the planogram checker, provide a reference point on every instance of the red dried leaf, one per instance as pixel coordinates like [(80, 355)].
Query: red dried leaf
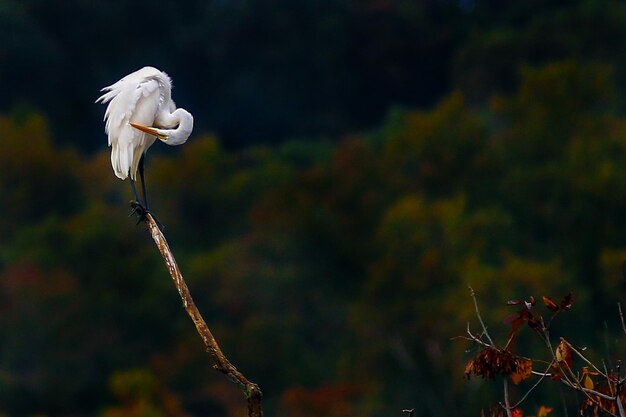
[(555, 373), (516, 320), (511, 318), (517, 324), (517, 412), (552, 306), (491, 361), (536, 324)]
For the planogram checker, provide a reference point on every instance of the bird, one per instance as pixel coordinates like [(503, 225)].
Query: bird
[(141, 110)]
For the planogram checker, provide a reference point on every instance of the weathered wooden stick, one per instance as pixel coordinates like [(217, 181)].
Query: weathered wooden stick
[(221, 363)]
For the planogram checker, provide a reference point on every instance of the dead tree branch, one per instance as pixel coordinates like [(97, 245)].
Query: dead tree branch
[(251, 391)]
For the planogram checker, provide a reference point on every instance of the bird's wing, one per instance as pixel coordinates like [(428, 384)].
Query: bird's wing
[(125, 98), (135, 98)]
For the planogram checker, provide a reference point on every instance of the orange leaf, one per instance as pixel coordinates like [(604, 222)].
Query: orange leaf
[(544, 411), (552, 306), (585, 370), (524, 370)]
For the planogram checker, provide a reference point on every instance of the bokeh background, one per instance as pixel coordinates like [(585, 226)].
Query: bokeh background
[(355, 165)]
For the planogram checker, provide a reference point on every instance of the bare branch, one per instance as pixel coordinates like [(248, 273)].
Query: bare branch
[(621, 317), (587, 390), (221, 363), (580, 355), (471, 338), (620, 406), (507, 406), (542, 376), (480, 319)]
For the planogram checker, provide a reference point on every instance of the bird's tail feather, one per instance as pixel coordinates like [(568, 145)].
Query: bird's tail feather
[(121, 159)]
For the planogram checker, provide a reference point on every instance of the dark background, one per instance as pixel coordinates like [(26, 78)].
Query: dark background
[(354, 166), (266, 71)]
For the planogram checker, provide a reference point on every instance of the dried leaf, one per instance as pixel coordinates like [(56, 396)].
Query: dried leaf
[(527, 304), (544, 411), (587, 381), (552, 306), (536, 324), (469, 368), (523, 370), (491, 361), (517, 412), (516, 322), (586, 371), (564, 354), (596, 405), (555, 372)]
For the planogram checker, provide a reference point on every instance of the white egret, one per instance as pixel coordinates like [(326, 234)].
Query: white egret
[(141, 110)]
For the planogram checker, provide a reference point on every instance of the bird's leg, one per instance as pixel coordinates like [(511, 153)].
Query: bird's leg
[(144, 209), (137, 207), (132, 185), (143, 181)]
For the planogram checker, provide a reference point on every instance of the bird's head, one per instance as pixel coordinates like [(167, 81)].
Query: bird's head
[(171, 137)]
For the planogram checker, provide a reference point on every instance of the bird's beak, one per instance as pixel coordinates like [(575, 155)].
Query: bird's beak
[(149, 130)]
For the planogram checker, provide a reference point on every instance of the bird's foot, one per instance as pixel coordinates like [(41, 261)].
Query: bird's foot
[(142, 213), (138, 210)]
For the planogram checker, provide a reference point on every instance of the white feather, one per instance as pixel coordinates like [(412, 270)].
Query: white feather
[(144, 98)]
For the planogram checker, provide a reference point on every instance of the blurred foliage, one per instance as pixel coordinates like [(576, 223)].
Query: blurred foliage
[(271, 70), (334, 275), (333, 271)]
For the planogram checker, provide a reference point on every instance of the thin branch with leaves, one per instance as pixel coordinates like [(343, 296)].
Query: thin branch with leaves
[(603, 390)]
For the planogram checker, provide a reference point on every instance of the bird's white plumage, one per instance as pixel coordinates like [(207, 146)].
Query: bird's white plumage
[(143, 98)]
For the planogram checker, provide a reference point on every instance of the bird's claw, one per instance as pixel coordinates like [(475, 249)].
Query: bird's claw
[(139, 210), (142, 212)]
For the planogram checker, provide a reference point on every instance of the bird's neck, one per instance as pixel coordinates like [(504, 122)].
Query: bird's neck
[(184, 118), (180, 122)]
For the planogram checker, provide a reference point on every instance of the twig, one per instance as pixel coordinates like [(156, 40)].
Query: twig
[(621, 317), (573, 383), (620, 406), (581, 356), (507, 406), (587, 393), (480, 319), (543, 375), (584, 390), (471, 338), (221, 363), (608, 380)]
